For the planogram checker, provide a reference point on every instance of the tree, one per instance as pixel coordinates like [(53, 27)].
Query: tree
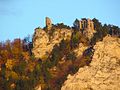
[(61, 25), (27, 44), (100, 31), (105, 30), (20, 68), (17, 48), (71, 56), (9, 64), (97, 24), (64, 47), (75, 39), (55, 55)]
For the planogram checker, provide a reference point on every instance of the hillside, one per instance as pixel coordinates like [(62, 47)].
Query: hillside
[(57, 54)]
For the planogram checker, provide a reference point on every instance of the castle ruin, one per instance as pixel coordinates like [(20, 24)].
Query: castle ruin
[(86, 26)]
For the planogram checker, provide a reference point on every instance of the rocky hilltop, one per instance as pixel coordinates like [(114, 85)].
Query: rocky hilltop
[(44, 41), (103, 73), (82, 57)]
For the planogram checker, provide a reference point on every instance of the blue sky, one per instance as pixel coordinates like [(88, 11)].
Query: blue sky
[(18, 18)]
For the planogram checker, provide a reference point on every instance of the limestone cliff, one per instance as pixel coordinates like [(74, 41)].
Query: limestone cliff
[(80, 49), (103, 73), (43, 42), (45, 39)]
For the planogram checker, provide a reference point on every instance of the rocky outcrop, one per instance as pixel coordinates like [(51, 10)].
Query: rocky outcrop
[(103, 73), (89, 33), (40, 41), (80, 49), (43, 42)]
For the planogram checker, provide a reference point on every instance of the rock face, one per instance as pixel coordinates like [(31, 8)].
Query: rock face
[(89, 33), (40, 41), (80, 49), (43, 42), (103, 72)]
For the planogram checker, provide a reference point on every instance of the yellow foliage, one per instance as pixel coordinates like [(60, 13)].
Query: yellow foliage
[(23, 77), (44, 57), (9, 64), (31, 66), (26, 55), (11, 74), (4, 53), (14, 75)]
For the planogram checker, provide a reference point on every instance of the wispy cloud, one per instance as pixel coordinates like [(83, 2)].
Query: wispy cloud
[(5, 11)]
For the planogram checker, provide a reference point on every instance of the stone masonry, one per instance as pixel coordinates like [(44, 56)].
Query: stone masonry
[(48, 23), (86, 26)]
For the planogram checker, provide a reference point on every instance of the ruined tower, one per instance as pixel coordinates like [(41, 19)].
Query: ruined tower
[(86, 26), (48, 23)]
